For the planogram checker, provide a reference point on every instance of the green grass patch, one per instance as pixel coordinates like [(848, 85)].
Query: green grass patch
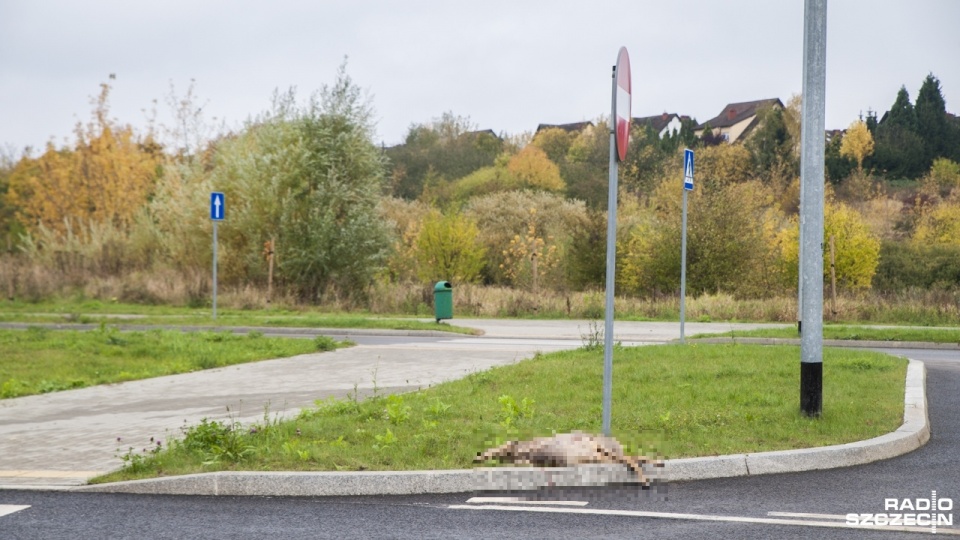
[(40, 360), (673, 400), (855, 333), (95, 311)]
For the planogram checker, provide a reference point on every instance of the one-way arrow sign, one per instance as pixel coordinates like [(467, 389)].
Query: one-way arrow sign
[(218, 206)]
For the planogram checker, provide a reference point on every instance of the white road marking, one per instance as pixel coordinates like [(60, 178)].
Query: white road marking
[(518, 500), (698, 517), (11, 508), (812, 516)]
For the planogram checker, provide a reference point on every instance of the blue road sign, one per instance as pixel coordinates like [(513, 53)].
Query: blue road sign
[(218, 206), (688, 169)]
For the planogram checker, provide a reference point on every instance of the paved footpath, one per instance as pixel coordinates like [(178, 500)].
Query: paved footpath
[(64, 438)]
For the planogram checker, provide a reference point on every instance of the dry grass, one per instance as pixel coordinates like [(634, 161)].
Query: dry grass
[(23, 280)]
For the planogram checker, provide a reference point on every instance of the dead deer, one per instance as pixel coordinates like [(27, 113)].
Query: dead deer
[(566, 450)]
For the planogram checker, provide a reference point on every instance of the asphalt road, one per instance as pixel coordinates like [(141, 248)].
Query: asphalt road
[(724, 508)]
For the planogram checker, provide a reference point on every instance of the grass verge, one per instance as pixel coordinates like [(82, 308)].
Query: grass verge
[(95, 311), (40, 360), (673, 400), (854, 333)]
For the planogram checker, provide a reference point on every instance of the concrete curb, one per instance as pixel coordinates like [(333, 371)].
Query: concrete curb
[(912, 434)]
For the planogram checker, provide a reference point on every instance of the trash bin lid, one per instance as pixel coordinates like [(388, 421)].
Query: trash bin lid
[(442, 286)]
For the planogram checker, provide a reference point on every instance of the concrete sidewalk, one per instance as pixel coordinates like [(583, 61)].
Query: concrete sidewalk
[(59, 440)]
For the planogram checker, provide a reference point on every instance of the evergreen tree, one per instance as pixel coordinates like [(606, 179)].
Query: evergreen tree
[(899, 151), (932, 125), (771, 146), (871, 122), (901, 114)]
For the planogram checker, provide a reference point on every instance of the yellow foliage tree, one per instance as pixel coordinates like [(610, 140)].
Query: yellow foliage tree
[(857, 143), (105, 179), (448, 247), (939, 225), (723, 164), (857, 250), (535, 170), (555, 142)]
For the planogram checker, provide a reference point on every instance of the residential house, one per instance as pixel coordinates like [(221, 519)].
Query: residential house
[(662, 124), (737, 120)]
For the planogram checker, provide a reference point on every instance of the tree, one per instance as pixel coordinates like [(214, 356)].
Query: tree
[(730, 241), (901, 113), (105, 178), (857, 143), (723, 164), (772, 148), (939, 225), (535, 170), (586, 167), (857, 249), (838, 167), (555, 142), (932, 124), (943, 178), (8, 223), (502, 217), (448, 247), (307, 175), (448, 148), (898, 150)]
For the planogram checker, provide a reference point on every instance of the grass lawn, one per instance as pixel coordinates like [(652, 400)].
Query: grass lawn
[(93, 311), (39, 360), (863, 333), (672, 400)]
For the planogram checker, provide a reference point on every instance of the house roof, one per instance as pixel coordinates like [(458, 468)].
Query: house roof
[(481, 132), (734, 113), (576, 126), (657, 122)]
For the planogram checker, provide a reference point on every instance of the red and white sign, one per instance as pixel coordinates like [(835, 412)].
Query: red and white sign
[(622, 114)]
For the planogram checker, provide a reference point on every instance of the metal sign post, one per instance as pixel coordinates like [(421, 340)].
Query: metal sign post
[(811, 206), (619, 138), (687, 186), (218, 207)]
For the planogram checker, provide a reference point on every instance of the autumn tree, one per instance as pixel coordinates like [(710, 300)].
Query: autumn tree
[(448, 247), (535, 170), (105, 178), (731, 241), (554, 142), (448, 148), (857, 143), (857, 248), (503, 217)]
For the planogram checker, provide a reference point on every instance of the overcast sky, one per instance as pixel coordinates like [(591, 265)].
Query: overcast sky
[(507, 65)]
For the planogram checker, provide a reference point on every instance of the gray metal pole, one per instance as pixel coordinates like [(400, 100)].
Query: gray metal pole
[(811, 207), (683, 267), (214, 269), (611, 263)]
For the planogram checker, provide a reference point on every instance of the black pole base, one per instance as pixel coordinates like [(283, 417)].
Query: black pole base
[(811, 388)]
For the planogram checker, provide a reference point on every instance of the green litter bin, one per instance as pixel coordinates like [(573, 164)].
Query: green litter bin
[(443, 300)]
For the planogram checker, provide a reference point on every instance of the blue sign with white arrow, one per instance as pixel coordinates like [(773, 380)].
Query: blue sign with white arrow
[(688, 169), (218, 206)]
